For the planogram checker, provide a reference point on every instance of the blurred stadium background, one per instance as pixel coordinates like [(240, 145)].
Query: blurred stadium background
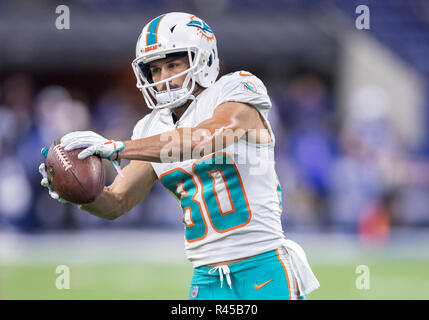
[(351, 116)]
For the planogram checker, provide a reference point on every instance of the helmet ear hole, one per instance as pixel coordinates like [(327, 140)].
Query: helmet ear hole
[(209, 63)]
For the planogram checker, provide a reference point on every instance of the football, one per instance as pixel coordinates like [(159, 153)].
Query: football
[(75, 180)]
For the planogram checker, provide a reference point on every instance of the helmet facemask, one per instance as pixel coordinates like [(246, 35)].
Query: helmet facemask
[(169, 98)]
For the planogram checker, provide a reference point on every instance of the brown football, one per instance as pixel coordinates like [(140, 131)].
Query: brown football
[(77, 181)]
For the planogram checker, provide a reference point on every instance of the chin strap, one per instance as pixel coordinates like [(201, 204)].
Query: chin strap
[(159, 98), (163, 97)]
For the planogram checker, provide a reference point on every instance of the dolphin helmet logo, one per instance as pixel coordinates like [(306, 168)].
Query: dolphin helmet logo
[(202, 27)]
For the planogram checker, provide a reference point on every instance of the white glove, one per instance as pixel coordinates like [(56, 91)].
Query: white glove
[(93, 142), (81, 139), (45, 183)]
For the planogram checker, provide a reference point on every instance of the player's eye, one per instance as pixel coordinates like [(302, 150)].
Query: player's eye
[(154, 70), (173, 65)]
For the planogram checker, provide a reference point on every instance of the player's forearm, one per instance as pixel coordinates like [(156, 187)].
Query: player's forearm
[(108, 205), (125, 192), (175, 145), (179, 145)]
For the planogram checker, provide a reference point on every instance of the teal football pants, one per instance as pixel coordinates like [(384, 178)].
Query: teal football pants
[(267, 276)]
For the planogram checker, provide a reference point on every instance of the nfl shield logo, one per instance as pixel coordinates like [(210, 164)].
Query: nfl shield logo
[(194, 291)]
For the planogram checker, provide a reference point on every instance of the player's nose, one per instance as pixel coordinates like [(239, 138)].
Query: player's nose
[(165, 74)]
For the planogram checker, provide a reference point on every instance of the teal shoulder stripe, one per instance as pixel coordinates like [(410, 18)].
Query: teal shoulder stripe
[(151, 31)]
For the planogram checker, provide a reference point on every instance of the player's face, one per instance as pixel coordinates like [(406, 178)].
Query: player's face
[(166, 68)]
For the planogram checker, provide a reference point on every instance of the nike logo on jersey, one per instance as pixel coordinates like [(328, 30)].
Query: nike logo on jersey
[(259, 286)]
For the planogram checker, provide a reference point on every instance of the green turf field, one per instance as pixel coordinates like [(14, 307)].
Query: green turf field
[(148, 264), (388, 280)]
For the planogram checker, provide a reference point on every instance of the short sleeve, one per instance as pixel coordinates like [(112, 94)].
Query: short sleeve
[(244, 87)]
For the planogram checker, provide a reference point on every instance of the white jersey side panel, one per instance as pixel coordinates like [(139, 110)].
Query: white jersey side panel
[(231, 199)]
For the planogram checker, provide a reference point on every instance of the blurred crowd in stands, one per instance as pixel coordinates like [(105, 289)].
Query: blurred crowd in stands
[(339, 171), (344, 173)]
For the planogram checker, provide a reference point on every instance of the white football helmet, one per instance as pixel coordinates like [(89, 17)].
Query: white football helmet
[(176, 33)]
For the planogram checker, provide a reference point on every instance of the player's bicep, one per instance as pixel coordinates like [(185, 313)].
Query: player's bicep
[(231, 115), (229, 123)]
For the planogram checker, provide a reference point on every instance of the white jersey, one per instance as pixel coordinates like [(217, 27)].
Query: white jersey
[(231, 199)]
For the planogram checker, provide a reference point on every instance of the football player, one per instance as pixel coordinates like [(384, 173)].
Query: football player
[(209, 142)]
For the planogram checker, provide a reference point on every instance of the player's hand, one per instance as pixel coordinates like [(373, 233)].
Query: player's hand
[(45, 180), (106, 150), (81, 139), (94, 144)]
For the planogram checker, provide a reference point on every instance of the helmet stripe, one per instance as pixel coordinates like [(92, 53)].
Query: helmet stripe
[(152, 31)]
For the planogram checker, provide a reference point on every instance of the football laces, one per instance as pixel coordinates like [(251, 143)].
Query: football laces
[(61, 155)]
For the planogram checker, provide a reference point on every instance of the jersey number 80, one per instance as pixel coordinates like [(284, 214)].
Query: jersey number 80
[(222, 195)]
